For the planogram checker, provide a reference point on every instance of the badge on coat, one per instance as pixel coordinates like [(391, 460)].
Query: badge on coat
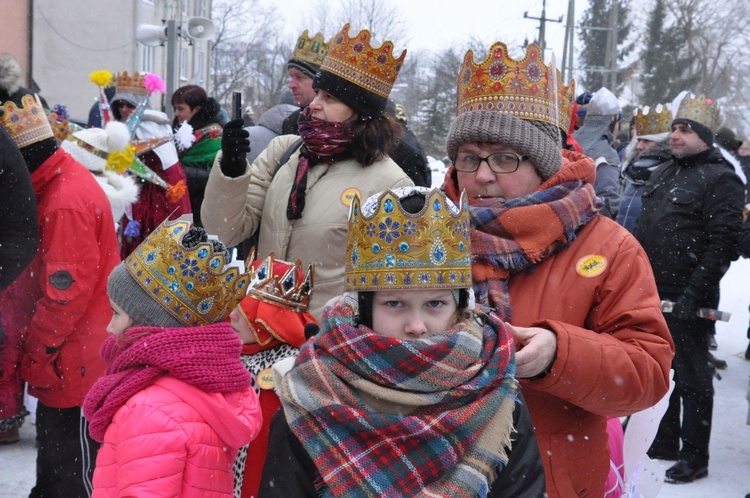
[(347, 196), (591, 266), (265, 379)]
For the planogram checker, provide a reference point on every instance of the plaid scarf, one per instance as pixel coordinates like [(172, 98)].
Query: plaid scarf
[(206, 357), (386, 417), (509, 237), (324, 142)]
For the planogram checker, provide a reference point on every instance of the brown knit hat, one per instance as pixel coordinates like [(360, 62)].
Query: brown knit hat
[(536, 139)]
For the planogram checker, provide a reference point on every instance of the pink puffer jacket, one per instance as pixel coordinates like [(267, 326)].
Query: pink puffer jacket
[(175, 440)]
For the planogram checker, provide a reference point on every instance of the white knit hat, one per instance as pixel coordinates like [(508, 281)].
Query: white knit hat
[(92, 146)]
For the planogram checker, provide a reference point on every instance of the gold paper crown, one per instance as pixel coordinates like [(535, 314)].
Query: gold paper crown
[(191, 284), (312, 50), (60, 127), (355, 60), (389, 248), (653, 120), (699, 109), (124, 83), (281, 283), (27, 124), (525, 89)]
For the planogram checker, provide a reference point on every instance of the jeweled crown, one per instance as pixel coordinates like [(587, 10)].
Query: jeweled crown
[(653, 120), (191, 284), (26, 124), (525, 89), (390, 248), (281, 283), (355, 60), (699, 109), (312, 50), (125, 83)]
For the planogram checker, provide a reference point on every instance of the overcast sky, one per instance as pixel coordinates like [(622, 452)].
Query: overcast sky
[(435, 24)]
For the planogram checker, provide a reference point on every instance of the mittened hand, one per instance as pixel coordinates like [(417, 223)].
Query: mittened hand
[(686, 306), (234, 147)]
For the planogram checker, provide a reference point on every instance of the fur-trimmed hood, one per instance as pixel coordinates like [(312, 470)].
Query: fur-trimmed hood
[(121, 190)]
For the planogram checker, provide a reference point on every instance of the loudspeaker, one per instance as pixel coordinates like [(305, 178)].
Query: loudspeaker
[(200, 28), (151, 34)]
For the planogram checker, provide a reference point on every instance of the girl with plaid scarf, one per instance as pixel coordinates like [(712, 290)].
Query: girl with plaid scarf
[(406, 390)]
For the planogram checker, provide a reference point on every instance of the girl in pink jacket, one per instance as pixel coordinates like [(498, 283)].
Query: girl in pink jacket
[(175, 403)]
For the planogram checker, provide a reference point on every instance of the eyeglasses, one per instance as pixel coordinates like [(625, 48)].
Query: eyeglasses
[(500, 162), (122, 103)]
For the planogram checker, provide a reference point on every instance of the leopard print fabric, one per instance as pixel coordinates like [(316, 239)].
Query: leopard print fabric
[(256, 363)]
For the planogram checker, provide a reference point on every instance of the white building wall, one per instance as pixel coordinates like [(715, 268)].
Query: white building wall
[(72, 38)]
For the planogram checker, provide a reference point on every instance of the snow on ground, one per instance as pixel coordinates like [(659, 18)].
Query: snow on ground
[(729, 474)]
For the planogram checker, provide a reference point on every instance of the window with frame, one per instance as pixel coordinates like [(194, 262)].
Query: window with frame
[(183, 64), (147, 59)]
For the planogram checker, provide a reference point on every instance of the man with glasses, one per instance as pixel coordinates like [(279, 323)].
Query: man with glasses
[(576, 288)]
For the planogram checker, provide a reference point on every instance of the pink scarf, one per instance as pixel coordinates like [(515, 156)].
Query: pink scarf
[(206, 357)]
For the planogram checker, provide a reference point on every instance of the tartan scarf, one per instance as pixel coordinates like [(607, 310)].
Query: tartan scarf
[(387, 417), (324, 142), (206, 357), (509, 237)]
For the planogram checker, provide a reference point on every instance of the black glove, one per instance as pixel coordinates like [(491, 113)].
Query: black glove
[(234, 147), (686, 306)]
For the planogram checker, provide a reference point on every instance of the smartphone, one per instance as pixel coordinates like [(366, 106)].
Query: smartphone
[(236, 105)]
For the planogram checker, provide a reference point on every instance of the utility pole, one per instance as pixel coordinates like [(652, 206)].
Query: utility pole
[(542, 20), (610, 52), (567, 58)]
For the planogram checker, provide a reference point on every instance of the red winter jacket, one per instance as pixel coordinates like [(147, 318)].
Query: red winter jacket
[(62, 296), (614, 349)]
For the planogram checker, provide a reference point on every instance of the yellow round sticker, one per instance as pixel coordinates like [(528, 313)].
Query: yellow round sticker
[(265, 379), (591, 266), (347, 196)]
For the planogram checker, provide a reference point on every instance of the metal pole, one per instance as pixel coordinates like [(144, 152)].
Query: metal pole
[(572, 17), (542, 23), (172, 64)]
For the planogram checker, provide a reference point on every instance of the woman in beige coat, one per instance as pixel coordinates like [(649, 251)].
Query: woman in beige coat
[(301, 210)]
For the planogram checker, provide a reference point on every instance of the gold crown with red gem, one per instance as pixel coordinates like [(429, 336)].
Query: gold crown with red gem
[(194, 285), (126, 83), (699, 109), (26, 124), (525, 89), (281, 283), (390, 248), (355, 60), (653, 120), (312, 50)]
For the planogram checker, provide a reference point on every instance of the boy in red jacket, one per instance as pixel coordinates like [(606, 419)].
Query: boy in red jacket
[(271, 322)]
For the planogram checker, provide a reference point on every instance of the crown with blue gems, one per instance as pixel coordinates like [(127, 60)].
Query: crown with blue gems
[(390, 248), (653, 120), (281, 283), (191, 284), (699, 109)]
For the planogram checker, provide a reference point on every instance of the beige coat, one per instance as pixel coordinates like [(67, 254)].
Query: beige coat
[(234, 207)]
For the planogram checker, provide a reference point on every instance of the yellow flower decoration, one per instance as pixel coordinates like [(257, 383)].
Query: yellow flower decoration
[(101, 78), (120, 160)]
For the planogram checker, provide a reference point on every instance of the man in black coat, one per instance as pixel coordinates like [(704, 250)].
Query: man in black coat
[(688, 226)]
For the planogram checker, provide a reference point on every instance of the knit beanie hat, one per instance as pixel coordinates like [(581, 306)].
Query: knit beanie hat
[(704, 132), (143, 309), (536, 139)]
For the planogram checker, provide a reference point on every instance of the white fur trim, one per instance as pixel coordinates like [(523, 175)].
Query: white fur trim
[(118, 136)]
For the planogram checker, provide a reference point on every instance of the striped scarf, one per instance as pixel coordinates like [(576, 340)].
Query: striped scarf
[(386, 417), (510, 237)]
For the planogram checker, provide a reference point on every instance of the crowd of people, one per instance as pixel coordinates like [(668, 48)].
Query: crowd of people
[(485, 337)]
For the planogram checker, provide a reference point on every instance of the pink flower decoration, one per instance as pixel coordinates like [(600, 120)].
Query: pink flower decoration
[(154, 83)]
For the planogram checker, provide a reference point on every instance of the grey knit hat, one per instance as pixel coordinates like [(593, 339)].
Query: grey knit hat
[(136, 302), (538, 140)]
